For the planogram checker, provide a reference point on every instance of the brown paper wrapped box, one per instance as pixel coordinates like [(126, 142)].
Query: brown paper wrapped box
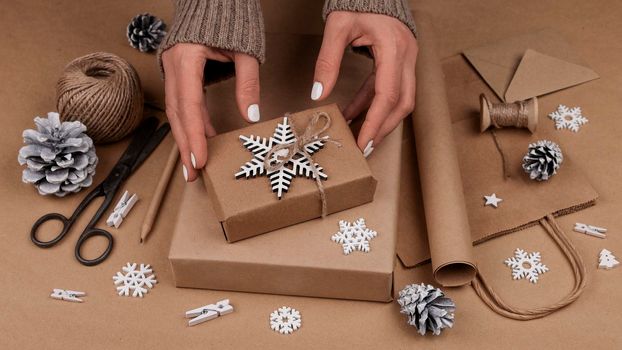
[(248, 207), (296, 260)]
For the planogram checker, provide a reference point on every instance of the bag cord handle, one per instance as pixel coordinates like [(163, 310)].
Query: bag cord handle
[(496, 304)]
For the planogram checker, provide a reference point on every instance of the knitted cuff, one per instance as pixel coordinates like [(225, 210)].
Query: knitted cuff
[(394, 8), (235, 25)]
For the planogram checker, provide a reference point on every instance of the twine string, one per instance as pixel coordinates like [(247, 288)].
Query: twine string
[(275, 159), (102, 91), (504, 161), (498, 305), (504, 115), (509, 114)]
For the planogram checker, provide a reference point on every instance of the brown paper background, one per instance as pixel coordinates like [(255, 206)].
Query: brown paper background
[(41, 37)]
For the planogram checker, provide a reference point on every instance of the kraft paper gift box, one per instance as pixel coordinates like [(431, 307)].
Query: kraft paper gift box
[(297, 260), (247, 207)]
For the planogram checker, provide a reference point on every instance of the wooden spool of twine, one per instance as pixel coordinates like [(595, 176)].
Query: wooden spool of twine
[(521, 114), (102, 91)]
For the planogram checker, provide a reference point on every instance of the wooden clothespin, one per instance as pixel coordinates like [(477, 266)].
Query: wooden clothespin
[(123, 207), (67, 295), (590, 230), (209, 312)]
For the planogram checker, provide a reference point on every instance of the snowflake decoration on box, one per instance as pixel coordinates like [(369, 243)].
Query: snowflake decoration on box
[(354, 236), (526, 265), (299, 165), (285, 320), (568, 118), (138, 281)]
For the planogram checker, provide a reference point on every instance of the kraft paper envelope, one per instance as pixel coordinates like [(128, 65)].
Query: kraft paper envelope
[(529, 65)]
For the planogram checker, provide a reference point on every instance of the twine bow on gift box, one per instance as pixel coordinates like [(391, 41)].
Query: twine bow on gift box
[(281, 154)]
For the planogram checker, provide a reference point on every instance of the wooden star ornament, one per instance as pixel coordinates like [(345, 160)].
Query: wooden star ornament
[(493, 200)]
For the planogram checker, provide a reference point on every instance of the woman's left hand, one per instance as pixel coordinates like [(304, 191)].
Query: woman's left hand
[(389, 91)]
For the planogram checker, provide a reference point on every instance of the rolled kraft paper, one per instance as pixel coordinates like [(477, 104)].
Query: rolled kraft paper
[(445, 210)]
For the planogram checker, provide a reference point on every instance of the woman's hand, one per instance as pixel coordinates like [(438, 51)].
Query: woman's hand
[(389, 91), (185, 100)]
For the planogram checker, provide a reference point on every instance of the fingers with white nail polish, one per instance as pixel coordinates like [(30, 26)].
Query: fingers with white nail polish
[(368, 149), (184, 170), (193, 160), (247, 86), (253, 113), (316, 91)]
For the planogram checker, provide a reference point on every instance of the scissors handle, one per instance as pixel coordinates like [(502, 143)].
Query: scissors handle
[(85, 236), (45, 218), (66, 221)]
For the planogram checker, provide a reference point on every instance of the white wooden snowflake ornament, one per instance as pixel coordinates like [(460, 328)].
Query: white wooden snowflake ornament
[(354, 236), (568, 118), (137, 281), (280, 179), (526, 265), (285, 320)]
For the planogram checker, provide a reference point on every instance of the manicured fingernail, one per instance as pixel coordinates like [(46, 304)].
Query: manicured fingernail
[(185, 171), (193, 160), (368, 149), (316, 91), (253, 113)]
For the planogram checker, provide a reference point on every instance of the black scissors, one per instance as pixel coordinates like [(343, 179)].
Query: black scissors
[(146, 138)]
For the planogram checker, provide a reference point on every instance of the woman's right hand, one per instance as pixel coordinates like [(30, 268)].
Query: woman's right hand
[(186, 106)]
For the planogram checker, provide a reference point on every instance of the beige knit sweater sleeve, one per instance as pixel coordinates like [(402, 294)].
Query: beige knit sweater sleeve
[(394, 8), (237, 25)]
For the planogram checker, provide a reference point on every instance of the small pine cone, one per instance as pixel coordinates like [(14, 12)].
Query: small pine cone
[(60, 157), (145, 32), (427, 308), (542, 160)]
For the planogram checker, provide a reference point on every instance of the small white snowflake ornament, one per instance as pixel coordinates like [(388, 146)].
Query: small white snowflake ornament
[(137, 281), (568, 118), (285, 320), (354, 236), (607, 260), (299, 165), (526, 265)]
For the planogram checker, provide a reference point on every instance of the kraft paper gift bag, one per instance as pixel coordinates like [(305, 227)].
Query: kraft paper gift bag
[(456, 166)]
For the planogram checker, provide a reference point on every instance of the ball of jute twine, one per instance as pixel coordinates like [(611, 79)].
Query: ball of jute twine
[(102, 91)]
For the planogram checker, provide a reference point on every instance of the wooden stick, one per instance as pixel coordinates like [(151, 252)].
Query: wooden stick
[(156, 201)]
